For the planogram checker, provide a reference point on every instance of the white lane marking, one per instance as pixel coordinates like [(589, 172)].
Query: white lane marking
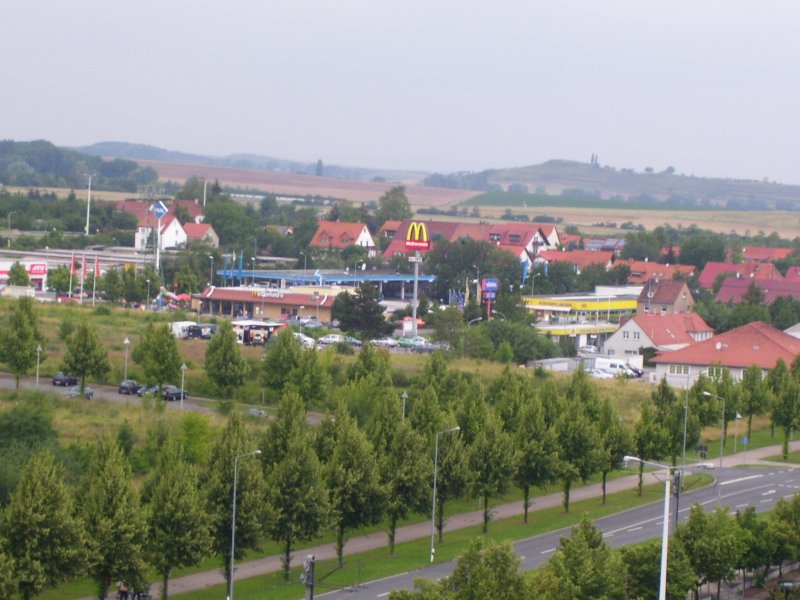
[(768, 493), (742, 505), (548, 551), (632, 529), (788, 480), (766, 500), (608, 535), (741, 479), (383, 594)]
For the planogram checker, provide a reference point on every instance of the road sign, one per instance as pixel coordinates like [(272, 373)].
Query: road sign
[(489, 285), (159, 209), (489, 295), (745, 439), (417, 237)]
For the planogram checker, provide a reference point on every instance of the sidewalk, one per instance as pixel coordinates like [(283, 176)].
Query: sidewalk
[(377, 540)]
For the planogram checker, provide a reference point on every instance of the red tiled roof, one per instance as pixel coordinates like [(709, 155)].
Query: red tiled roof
[(664, 291), (139, 209), (196, 230), (670, 329), (751, 270), (579, 258), (567, 238), (733, 289), (336, 234), (390, 226), (752, 344), (644, 270), (793, 274), (764, 253)]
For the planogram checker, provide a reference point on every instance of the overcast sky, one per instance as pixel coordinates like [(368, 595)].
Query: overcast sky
[(711, 87)]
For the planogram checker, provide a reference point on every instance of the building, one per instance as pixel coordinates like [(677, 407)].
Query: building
[(663, 297), (734, 289), (201, 232), (579, 259), (733, 351), (37, 271), (663, 332), (265, 303), (645, 270), (748, 270), (764, 254), (336, 235)]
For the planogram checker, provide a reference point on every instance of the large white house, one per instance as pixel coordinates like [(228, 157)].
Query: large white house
[(663, 332)]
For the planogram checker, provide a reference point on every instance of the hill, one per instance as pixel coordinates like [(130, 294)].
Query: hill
[(246, 161), (593, 181)]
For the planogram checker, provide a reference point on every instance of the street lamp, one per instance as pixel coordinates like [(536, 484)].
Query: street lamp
[(478, 283), (722, 428), (148, 294), (183, 380), (404, 397), (315, 300), (126, 342), (662, 584), (533, 279), (473, 321), (233, 515), (38, 359), (435, 465), (11, 212), (211, 274), (305, 261), (88, 202), (497, 312)]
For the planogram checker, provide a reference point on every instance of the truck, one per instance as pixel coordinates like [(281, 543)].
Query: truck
[(180, 329)]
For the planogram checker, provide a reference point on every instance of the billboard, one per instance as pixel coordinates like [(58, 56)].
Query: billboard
[(417, 237)]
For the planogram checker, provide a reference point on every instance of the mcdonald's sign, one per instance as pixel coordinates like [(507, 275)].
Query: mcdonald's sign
[(417, 237)]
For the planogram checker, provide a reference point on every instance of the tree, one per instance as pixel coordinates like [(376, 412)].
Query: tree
[(357, 497), (697, 250), (670, 414), (786, 412), (177, 522), (642, 245), (281, 359), (20, 338), (43, 534), (157, 353), (85, 356), (581, 451), (615, 440), (18, 275), (393, 206), (537, 454), (760, 545), (114, 522), (297, 498), (755, 396), (225, 366), (405, 471), (649, 438), (361, 312), (491, 460), (8, 577), (643, 571), (250, 492), (583, 566)]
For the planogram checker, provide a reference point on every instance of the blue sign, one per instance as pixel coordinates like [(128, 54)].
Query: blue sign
[(489, 295), (159, 209), (489, 285), (745, 440)]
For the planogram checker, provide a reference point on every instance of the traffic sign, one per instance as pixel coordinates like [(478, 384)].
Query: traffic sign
[(159, 209), (489, 295), (745, 439), (489, 285)]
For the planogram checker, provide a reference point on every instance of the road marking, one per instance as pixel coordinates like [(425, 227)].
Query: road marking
[(788, 480), (632, 529), (608, 535), (768, 493), (766, 500), (548, 551), (383, 594), (742, 505), (741, 479)]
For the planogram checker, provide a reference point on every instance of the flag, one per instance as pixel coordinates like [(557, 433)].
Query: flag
[(84, 267), (72, 270), (96, 268)]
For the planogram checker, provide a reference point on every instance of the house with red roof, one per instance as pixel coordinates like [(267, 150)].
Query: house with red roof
[(579, 259), (733, 289), (172, 234), (337, 235), (664, 297), (645, 270), (764, 254), (201, 232), (793, 274), (389, 229), (570, 241), (749, 270), (753, 344), (664, 332)]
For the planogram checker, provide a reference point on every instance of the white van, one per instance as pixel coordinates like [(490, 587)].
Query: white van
[(613, 365), (180, 329)]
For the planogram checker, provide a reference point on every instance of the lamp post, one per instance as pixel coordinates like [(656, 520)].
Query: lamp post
[(253, 272), (722, 428), (473, 321), (305, 261), (38, 360), (88, 202), (183, 380), (662, 583), (126, 342), (211, 273), (533, 279), (148, 294), (478, 283), (205, 184), (233, 515), (315, 300), (404, 397), (11, 212), (435, 465), (497, 312)]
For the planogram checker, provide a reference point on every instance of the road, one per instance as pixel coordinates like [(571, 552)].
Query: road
[(738, 489)]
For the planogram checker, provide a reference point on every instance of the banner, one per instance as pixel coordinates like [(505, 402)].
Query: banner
[(72, 270)]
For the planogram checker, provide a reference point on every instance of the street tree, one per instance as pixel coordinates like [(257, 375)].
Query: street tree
[(615, 440), (225, 366), (114, 521), (581, 449), (157, 352), (289, 424), (537, 452), (405, 470), (43, 535), (311, 379), (8, 576), (786, 412), (357, 496), (361, 312), (491, 460), (451, 476), (670, 414), (280, 361), (250, 492), (85, 356), (393, 206), (643, 571), (649, 438), (19, 339), (760, 545), (755, 396), (176, 520), (583, 566), (18, 274), (297, 498)]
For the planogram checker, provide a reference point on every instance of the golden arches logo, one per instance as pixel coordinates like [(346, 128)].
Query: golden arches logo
[(417, 237)]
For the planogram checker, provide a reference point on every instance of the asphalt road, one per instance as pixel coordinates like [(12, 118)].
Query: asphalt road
[(737, 488)]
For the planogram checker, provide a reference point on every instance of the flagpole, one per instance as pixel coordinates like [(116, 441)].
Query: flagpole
[(71, 272), (83, 276), (94, 280)]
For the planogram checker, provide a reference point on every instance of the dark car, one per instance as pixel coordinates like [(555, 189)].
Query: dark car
[(64, 380), (147, 389), (172, 392), (129, 386)]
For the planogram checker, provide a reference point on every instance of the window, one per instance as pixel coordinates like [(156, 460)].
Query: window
[(495, 237), (716, 372), (515, 238), (679, 369), (664, 308), (636, 335), (626, 335)]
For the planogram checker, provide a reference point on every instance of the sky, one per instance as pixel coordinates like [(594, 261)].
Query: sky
[(711, 87)]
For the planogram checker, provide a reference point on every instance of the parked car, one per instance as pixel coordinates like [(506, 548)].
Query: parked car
[(129, 386), (64, 380), (172, 392), (147, 389), (304, 340), (412, 342), (75, 392), (352, 341), (636, 371), (601, 374), (588, 349), (256, 412), (787, 588), (331, 338), (387, 342)]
